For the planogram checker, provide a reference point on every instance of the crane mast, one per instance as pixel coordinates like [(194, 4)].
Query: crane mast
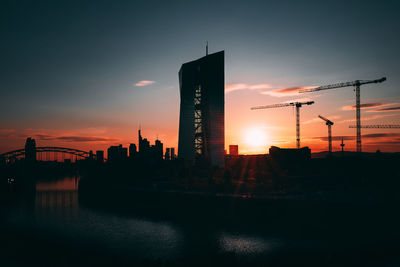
[(329, 124), (298, 105), (357, 85)]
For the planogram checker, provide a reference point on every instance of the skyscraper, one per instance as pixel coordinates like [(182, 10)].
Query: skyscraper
[(30, 150), (201, 123)]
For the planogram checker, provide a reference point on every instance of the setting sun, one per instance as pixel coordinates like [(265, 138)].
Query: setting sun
[(255, 139)]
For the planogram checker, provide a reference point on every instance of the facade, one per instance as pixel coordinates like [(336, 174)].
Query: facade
[(201, 121)]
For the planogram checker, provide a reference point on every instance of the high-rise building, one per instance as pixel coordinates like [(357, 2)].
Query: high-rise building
[(100, 155), (173, 153), (167, 155), (201, 122), (144, 144), (30, 150), (116, 153), (234, 150), (132, 150), (158, 150)]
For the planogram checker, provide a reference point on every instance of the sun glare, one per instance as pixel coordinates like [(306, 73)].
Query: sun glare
[(255, 138)]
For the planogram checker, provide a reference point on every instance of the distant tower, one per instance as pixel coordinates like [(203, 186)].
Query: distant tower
[(234, 150), (132, 150), (30, 150), (100, 156), (201, 122), (342, 145), (158, 149)]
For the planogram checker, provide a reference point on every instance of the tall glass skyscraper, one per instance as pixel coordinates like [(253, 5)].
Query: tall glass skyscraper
[(201, 122)]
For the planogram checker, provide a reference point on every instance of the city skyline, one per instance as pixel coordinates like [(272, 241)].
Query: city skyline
[(85, 76)]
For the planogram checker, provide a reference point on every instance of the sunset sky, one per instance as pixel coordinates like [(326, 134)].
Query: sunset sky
[(86, 74)]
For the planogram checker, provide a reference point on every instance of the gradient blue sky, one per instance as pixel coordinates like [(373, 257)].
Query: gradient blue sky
[(69, 69)]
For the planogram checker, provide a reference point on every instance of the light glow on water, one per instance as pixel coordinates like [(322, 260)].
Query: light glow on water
[(245, 245)]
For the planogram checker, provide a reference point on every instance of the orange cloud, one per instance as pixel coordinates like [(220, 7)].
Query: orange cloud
[(388, 136), (243, 86), (4, 133), (385, 109), (287, 91), (374, 117), (366, 105), (144, 83), (74, 138)]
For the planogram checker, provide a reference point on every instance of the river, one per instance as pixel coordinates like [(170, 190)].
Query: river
[(49, 226)]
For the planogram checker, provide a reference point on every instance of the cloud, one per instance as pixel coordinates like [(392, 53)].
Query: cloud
[(144, 83), (385, 109), (243, 86), (86, 139), (383, 143), (379, 135), (266, 89), (287, 91), (44, 137), (374, 117), (304, 99), (334, 138), (5, 133), (392, 136), (365, 106), (74, 138)]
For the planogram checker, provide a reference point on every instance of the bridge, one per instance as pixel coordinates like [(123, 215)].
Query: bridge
[(48, 153)]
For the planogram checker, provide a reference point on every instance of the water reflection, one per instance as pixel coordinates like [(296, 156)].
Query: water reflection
[(56, 214), (245, 245), (58, 211)]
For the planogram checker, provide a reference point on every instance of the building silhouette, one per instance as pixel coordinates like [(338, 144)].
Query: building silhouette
[(30, 150), (173, 156), (144, 144), (100, 155), (116, 153), (157, 150), (132, 150), (201, 122), (290, 155), (233, 150), (149, 152), (169, 153)]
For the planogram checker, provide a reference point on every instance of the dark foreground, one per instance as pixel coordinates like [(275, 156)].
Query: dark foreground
[(55, 225)]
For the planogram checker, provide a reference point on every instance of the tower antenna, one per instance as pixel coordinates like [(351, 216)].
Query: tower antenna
[(207, 49)]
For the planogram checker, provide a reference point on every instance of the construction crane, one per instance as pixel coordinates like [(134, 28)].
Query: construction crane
[(357, 85), (329, 124), (378, 126), (295, 104)]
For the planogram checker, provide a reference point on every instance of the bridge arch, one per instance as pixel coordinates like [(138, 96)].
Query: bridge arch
[(20, 153)]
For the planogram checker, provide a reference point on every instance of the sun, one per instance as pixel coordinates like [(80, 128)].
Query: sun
[(255, 138)]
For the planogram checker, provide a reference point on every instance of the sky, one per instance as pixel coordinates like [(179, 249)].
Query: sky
[(86, 74)]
